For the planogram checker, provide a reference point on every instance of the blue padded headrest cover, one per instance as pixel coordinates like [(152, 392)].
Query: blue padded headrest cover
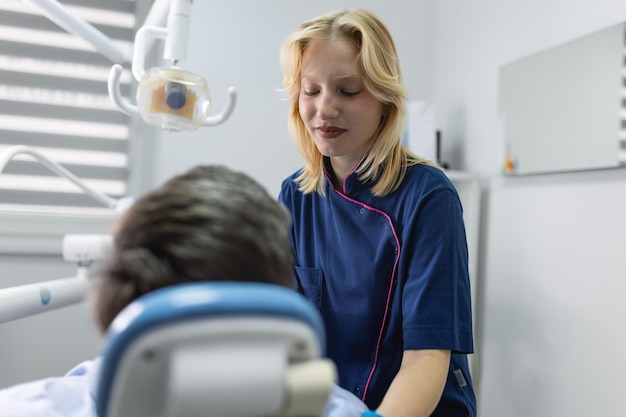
[(187, 301)]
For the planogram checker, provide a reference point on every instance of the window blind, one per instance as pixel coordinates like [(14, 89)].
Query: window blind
[(53, 98)]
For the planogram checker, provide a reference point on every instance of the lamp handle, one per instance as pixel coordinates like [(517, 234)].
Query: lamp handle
[(228, 109)]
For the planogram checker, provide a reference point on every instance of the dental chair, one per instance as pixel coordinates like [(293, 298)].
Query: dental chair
[(215, 350)]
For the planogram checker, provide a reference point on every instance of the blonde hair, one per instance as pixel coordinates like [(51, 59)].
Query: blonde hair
[(386, 162)]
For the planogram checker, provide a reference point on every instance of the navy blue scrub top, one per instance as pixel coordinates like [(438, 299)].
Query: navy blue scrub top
[(388, 274)]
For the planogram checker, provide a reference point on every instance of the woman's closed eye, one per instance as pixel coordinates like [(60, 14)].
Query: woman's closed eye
[(347, 93), (350, 93)]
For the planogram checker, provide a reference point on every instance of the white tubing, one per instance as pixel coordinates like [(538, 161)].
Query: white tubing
[(76, 25), (58, 169)]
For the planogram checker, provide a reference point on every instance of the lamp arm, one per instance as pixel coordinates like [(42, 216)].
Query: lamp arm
[(178, 31), (27, 300), (74, 24), (10, 152), (157, 14), (144, 39)]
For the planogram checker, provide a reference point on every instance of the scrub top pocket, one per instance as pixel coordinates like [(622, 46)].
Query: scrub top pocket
[(309, 283)]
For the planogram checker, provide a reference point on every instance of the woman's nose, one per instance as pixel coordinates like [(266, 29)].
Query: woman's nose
[(328, 107)]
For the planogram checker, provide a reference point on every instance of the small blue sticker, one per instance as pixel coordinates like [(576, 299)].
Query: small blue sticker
[(45, 295)]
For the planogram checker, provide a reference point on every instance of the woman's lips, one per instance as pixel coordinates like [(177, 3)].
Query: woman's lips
[(329, 132)]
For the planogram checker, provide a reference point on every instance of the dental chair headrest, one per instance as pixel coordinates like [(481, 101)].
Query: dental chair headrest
[(215, 349)]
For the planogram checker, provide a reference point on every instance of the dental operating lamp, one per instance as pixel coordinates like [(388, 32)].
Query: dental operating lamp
[(167, 96), (26, 300)]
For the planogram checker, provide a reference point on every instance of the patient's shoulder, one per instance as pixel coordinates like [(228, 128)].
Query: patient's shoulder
[(67, 396)]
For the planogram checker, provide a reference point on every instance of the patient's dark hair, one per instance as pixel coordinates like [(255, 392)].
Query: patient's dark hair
[(208, 224)]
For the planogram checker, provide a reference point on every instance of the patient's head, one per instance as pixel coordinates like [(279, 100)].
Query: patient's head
[(208, 224)]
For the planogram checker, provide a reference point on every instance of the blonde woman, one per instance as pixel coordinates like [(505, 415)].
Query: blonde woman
[(377, 231)]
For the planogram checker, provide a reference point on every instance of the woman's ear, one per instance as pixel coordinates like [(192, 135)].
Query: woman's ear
[(385, 114), (387, 110)]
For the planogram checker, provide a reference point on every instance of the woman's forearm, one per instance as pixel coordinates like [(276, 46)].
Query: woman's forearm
[(418, 386)]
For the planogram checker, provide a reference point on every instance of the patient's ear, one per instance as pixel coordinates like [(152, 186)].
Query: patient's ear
[(95, 297), (118, 223), (95, 307)]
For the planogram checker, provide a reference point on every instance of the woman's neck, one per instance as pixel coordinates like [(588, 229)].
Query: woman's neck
[(342, 167)]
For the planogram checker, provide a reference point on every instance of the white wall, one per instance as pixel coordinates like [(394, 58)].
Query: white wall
[(473, 39), (552, 249), (550, 332)]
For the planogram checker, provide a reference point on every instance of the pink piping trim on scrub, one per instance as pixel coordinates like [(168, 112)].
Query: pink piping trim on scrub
[(395, 266)]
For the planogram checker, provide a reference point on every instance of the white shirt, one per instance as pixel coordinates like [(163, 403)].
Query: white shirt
[(73, 395)]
